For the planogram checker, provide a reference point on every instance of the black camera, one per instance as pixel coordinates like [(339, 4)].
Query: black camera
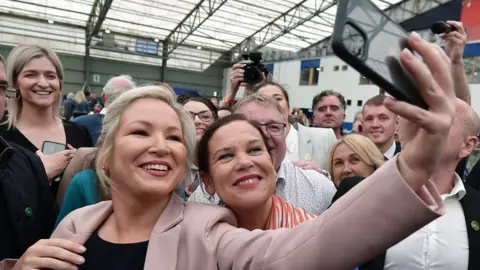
[(441, 27), (253, 69)]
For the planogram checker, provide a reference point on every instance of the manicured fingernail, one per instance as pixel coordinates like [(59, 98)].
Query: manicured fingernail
[(82, 248), (415, 35), (80, 260), (407, 54)]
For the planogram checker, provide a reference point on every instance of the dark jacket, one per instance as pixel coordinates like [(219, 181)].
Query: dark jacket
[(27, 207)]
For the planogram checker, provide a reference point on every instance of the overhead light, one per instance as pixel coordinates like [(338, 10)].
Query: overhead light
[(50, 21), (236, 54), (156, 40), (199, 47), (215, 93), (107, 31)]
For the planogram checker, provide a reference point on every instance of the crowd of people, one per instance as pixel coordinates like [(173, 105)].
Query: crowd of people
[(151, 180)]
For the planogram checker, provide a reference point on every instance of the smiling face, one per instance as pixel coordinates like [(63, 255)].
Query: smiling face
[(379, 125), (347, 163), (202, 116), (148, 156), (39, 83), (241, 170)]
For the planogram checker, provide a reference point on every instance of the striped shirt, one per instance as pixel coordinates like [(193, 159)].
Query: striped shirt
[(285, 215)]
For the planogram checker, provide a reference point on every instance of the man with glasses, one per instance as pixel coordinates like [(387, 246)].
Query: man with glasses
[(307, 189)]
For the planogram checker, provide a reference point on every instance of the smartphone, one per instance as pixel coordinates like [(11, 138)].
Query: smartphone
[(369, 41), (50, 148)]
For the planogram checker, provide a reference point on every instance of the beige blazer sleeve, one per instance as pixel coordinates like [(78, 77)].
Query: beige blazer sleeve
[(373, 216)]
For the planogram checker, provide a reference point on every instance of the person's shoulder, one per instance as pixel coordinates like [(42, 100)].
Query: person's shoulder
[(207, 215), (85, 176), (83, 220), (316, 131), (288, 169)]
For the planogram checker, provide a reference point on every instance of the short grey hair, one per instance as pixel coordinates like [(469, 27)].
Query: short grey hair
[(112, 121), (259, 99), (113, 89)]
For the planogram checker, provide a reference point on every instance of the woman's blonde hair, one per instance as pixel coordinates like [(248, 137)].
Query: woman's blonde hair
[(363, 147), (18, 58), (112, 120), (80, 97)]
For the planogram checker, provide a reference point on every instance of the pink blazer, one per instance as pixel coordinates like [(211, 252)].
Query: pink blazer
[(375, 215)]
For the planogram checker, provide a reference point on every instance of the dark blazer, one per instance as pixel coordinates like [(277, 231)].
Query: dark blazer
[(93, 123), (27, 207), (398, 148), (470, 204)]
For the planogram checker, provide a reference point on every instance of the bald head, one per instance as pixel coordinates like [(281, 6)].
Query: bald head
[(117, 86), (465, 118)]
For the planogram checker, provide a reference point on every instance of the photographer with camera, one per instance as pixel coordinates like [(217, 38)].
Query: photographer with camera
[(248, 73), (455, 38)]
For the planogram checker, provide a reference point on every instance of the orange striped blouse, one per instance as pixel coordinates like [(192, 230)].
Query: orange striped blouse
[(285, 215)]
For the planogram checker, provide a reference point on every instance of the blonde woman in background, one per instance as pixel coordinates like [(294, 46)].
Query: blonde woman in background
[(353, 155), (36, 73), (80, 106)]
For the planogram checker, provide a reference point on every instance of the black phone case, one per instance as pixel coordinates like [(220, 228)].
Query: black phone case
[(411, 96)]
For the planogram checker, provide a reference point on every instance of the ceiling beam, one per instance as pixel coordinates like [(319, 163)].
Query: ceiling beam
[(202, 11), (321, 8), (96, 18)]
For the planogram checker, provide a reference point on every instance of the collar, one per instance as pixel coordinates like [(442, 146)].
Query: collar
[(104, 111), (292, 137), (391, 151), (458, 189)]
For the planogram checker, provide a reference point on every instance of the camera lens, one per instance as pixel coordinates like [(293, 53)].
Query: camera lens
[(252, 75)]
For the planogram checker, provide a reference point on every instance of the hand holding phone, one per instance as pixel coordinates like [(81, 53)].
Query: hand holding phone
[(55, 161), (369, 41)]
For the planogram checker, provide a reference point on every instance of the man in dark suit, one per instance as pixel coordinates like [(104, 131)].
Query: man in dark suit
[(459, 227)]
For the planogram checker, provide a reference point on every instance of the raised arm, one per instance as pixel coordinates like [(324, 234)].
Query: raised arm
[(382, 210), (454, 46)]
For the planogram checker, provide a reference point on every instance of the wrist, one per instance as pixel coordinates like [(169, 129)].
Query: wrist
[(228, 100), (457, 62)]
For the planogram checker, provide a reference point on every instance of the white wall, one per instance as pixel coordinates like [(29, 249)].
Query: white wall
[(346, 82)]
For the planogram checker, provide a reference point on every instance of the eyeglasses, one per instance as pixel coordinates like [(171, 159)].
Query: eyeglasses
[(9, 92), (274, 129), (205, 116)]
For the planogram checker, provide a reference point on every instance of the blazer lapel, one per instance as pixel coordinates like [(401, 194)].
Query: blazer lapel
[(164, 242), (470, 203), (305, 147)]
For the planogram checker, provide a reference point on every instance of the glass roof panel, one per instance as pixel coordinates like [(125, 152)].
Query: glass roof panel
[(280, 23), (67, 11)]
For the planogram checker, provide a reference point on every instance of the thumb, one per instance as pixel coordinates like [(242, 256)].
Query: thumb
[(70, 147), (39, 153)]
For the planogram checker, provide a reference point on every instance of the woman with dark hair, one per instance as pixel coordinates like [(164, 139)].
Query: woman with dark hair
[(204, 114), (235, 164)]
